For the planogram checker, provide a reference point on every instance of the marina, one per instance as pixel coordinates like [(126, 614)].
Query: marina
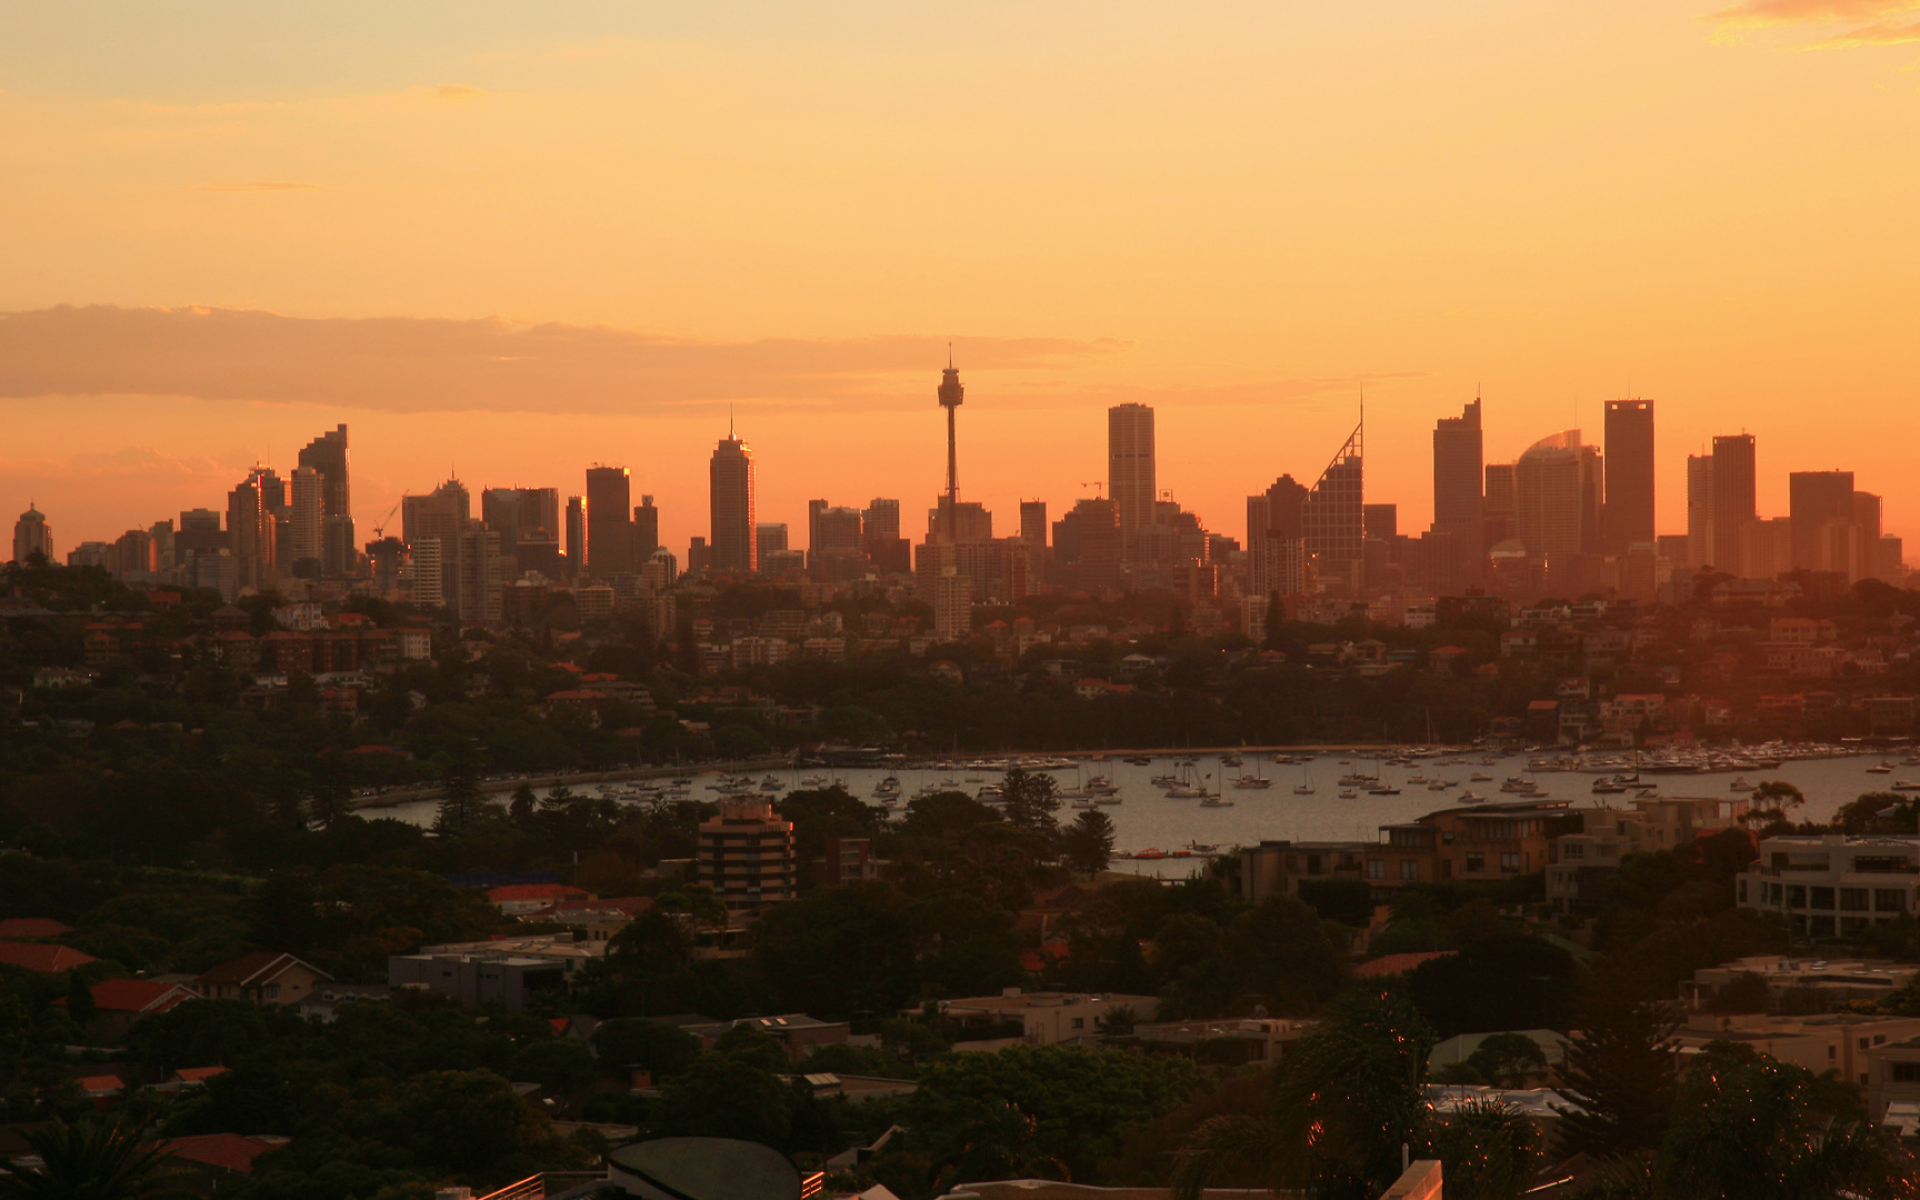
[(1176, 803)]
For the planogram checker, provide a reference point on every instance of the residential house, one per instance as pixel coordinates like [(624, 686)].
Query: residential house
[(1485, 841), (263, 977), (43, 957), (119, 1003), (1832, 885), (1586, 859)]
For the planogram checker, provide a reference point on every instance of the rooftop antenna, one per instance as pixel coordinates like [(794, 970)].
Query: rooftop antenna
[(730, 420)]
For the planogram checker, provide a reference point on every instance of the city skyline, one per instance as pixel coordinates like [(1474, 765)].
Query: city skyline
[(619, 483)]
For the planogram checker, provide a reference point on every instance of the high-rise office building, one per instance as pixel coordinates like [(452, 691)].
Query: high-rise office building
[(1130, 474), (1459, 508), (880, 537), (576, 536), (1086, 545), (1500, 506), (1558, 490), (1700, 549), (1628, 518), (646, 530), (528, 522), (730, 501), (32, 535), (434, 527), (306, 521), (1333, 519), (1734, 499), (609, 522), (1033, 522), (1276, 539), (1866, 516), (327, 457), (769, 537), (251, 530), (1815, 500)]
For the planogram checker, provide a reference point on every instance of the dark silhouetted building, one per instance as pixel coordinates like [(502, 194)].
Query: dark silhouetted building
[(1735, 504), (609, 522), (1459, 510), (1130, 474), (1628, 518), (730, 500)]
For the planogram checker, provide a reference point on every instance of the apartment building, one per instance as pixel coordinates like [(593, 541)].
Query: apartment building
[(1832, 885), (746, 854), (1584, 860), (1486, 841)]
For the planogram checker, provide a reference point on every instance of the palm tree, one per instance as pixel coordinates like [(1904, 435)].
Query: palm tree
[(1489, 1151), (87, 1160)]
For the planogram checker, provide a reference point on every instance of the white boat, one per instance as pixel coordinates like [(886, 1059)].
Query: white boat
[(1906, 785), (1253, 783), (1216, 802), (1186, 791), (1479, 777), (1471, 797), (1304, 789), (1107, 799), (886, 789), (1349, 794), (1740, 784)]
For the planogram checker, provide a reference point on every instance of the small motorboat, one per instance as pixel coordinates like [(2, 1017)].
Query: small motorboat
[(1740, 784), (1216, 802), (1349, 794)]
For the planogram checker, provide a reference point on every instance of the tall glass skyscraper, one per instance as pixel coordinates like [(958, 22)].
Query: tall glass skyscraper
[(730, 496)]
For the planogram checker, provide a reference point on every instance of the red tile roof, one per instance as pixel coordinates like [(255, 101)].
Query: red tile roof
[(37, 956), (101, 1083), (229, 1151), (32, 927), (138, 995), (1397, 964), (533, 891), (199, 1074)]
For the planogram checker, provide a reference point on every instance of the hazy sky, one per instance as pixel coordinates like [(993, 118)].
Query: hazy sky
[(510, 239)]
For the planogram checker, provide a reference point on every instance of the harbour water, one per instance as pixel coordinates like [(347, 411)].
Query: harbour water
[(1146, 818)]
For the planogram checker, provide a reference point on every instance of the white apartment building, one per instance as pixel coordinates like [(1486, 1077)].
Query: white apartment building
[(1833, 885)]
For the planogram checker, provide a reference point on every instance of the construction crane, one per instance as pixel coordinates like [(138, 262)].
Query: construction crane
[(1096, 485), (380, 527)]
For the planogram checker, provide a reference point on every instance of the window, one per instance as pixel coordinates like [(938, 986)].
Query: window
[(1833, 1052), (1475, 863), (1510, 862), (1853, 899), (1863, 1043), (1879, 1039), (1410, 870), (1376, 869), (1743, 891), (1904, 1072), (1822, 898), (1574, 850), (1796, 896), (1079, 1022), (1852, 926), (1891, 900)]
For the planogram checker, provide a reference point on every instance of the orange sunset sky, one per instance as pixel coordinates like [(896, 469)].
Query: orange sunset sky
[(512, 239)]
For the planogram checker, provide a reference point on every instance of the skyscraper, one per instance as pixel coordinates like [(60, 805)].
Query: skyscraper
[(251, 532), (1815, 500), (646, 530), (576, 536), (1628, 519), (1700, 549), (609, 523), (1459, 507), (730, 499), (306, 522), (1130, 473), (326, 455), (1500, 506), (1734, 503), (1558, 490), (1276, 540), (32, 535), (880, 537), (1333, 519)]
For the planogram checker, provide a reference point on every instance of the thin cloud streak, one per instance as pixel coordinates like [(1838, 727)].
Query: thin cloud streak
[(263, 186), (491, 365), (1791, 12), (1872, 35)]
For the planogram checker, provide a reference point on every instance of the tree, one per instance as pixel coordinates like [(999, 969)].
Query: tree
[(523, 806), (460, 799), (1028, 800), (654, 1046), (1088, 842), (1748, 1127), (1505, 1060), (1510, 981), (1488, 1151), (1619, 1072), (1342, 1103), (87, 1160)]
